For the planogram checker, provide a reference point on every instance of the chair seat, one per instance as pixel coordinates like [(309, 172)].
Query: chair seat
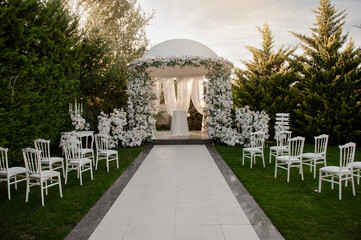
[(335, 170), (109, 152), (81, 162), (13, 171), (288, 159), (357, 165), (45, 174), (87, 150), (279, 148), (52, 160), (312, 155), (250, 149)]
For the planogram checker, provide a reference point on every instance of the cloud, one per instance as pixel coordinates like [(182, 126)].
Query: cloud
[(227, 26)]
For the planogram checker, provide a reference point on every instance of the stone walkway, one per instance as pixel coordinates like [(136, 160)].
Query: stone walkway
[(179, 192)]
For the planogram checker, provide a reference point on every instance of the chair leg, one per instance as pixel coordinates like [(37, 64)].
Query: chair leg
[(66, 173), (91, 172), (251, 159), (276, 166), (263, 159), (332, 183), (353, 185), (346, 180), (358, 176), (301, 170), (8, 182), (79, 173), (46, 186), (62, 166), (107, 161), (340, 187), (117, 160), (60, 192), (314, 168), (27, 190), (320, 182), (288, 172), (243, 158), (96, 163), (42, 192)]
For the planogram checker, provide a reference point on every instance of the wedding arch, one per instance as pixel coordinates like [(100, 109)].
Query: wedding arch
[(195, 67)]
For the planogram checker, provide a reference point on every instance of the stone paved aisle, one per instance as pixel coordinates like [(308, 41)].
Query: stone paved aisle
[(177, 193)]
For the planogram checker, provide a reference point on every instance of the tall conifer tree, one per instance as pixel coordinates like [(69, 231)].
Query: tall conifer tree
[(330, 87), (266, 82)]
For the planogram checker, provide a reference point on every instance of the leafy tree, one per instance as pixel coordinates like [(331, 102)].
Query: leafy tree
[(116, 32), (266, 82), (330, 87), (39, 71)]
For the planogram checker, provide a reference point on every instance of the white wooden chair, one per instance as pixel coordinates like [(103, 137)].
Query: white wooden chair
[(87, 142), (343, 172), (282, 139), (103, 151), (293, 158), (256, 149), (10, 175), (318, 156), (38, 177), (75, 160), (48, 162)]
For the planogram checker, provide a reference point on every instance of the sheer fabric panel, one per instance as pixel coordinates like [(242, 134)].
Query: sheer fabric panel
[(169, 95), (182, 100), (198, 94)]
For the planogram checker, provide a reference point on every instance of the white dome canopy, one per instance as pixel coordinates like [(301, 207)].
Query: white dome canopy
[(180, 48)]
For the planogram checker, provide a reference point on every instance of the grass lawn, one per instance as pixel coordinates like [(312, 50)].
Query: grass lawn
[(295, 208), (20, 220)]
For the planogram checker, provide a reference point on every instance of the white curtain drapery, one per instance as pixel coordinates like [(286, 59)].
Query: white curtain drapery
[(198, 97), (182, 100), (187, 88), (198, 94)]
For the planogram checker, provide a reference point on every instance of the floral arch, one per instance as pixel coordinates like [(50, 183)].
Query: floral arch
[(180, 56)]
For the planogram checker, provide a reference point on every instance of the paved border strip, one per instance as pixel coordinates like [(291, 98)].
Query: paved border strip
[(260, 222), (91, 220)]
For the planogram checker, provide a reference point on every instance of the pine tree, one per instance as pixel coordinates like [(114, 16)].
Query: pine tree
[(330, 87), (265, 84)]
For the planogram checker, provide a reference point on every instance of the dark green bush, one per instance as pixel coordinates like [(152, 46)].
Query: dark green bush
[(39, 72)]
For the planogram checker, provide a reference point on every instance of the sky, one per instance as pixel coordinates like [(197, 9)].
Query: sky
[(228, 26)]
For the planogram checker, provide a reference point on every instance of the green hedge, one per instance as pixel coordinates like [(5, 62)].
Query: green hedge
[(39, 72)]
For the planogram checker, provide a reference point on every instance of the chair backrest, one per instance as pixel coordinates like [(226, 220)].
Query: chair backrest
[(86, 138), (72, 150), (295, 146), (257, 139), (347, 155), (321, 144), (44, 146), (32, 159), (4, 159), (282, 122), (101, 142), (283, 138)]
